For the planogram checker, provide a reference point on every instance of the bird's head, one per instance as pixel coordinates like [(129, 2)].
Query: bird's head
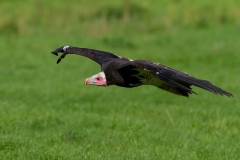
[(97, 79)]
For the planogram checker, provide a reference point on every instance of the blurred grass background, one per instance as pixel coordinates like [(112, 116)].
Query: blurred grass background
[(47, 112)]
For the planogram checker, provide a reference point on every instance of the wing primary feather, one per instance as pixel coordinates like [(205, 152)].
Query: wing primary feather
[(202, 84), (183, 81), (60, 49), (176, 84)]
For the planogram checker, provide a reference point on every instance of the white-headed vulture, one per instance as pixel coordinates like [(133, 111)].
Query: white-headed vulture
[(125, 72)]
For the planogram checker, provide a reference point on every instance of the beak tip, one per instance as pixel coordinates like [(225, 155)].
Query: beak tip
[(87, 81)]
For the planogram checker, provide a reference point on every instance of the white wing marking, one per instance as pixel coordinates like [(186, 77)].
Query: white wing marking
[(65, 47)]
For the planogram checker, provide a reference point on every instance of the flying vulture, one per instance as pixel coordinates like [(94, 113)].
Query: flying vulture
[(125, 72)]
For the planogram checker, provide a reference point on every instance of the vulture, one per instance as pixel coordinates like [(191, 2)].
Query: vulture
[(125, 72)]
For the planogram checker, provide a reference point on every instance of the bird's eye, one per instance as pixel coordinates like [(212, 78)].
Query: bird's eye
[(98, 78)]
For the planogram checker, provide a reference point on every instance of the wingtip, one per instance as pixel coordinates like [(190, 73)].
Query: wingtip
[(58, 60), (229, 95), (224, 93), (60, 49), (55, 53)]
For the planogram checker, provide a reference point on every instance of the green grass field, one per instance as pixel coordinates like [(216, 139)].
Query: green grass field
[(46, 112)]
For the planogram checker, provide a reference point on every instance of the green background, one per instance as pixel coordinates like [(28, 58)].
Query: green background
[(46, 112)]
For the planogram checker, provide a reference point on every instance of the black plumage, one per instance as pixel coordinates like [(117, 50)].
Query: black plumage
[(129, 73)]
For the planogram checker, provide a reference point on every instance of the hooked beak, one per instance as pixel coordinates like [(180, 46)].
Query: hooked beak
[(88, 81)]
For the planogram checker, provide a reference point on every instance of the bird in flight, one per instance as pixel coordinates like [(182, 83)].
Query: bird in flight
[(125, 72)]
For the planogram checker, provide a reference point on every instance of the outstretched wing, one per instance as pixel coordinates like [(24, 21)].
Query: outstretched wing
[(149, 73), (98, 56)]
